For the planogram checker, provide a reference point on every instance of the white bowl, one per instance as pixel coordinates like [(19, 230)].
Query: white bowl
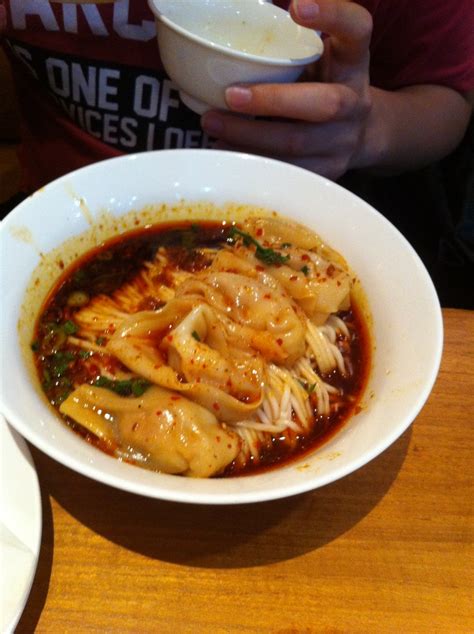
[(407, 325), (208, 45)]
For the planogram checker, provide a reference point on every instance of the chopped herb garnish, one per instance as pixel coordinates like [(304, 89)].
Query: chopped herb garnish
[(305, 269), (196, 335), (70, 327), (68, 355), (59, 369), (85, 354), (79, 276), (47, 382), (60, 362), (267, 255), (54, 338), (139, 386), (286, 245), (103, 381), (307, 386), (35, 346), (128, 387), (101, 341), (61, 397)]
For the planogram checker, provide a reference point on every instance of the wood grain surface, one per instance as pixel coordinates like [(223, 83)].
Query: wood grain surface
[(386, 549)]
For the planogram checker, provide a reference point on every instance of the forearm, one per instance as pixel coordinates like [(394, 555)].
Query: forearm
[(412, 127)]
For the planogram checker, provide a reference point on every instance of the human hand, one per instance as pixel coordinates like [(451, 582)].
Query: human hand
[(318, 125)]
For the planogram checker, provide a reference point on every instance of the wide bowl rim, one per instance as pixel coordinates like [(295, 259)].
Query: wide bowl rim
[(158, 491)]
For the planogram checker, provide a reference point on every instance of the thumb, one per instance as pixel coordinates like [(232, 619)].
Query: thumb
[(348, 25)]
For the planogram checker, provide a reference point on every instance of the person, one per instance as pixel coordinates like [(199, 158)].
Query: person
[(391, 93)]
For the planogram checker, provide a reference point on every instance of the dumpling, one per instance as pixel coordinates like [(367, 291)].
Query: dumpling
[(168, 432), (278, 231), (318, 286), (224, 380), (198, 350), (256, 304), (315, 276)]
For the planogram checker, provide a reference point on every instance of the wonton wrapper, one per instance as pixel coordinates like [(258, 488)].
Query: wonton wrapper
[(323, 290), (278, 231), (198, 349), (278, 332), (325, 286), (171, 433), (144, 340)]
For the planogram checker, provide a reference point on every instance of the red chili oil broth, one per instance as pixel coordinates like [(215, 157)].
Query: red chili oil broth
[(107, 267)]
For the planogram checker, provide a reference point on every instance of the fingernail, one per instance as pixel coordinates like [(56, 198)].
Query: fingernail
[(238, 96), (306, 11), (212, 123)]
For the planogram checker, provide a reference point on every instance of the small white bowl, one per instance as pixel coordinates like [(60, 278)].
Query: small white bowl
[(407, 324), (208, 45)]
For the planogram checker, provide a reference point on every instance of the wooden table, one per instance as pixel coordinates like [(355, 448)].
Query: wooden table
[(386, 549)]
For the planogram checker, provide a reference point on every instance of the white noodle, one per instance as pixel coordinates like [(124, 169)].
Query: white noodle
[(328, 332), (327, 354), (318, 345), (337, 354), (338, 324), (274, 428)]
